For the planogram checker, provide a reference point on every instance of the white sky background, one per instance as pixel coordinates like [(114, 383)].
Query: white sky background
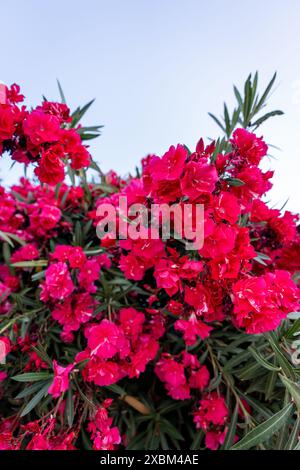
[(156, 67)]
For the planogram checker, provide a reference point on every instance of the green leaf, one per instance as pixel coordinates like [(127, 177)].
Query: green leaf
[(262, 119), (78, 235), (270, 384), (116, 389), (163, 442), (89, 136), (71, 173), (30, 264), (6, 238), (231, 430), (14, 237), (297, 446), (294, 436), (39, 275), (79, 113), (70, 407), (262, 100), (36, 399), (41, 352), (227, 120), (199, 435), (261, 258), (234, 181), (217, 122), (264, 431), (282, 360), (235, 118), (86, 440), (62, 95), (293, 388), (32, 377), (236, 360), (30, 390), (106, 188), (171, 430), (215, 382), (247, 101), (6, 252), (293, 315), (257, 406), (94, 166), (238, 96), (138, 442), (262, 361), (289, 334), (250, 370), (85, 398), (254, 87), (89, 132), (154, 442)]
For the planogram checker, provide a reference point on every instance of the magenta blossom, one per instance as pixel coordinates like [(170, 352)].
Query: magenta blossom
[(61, 379)]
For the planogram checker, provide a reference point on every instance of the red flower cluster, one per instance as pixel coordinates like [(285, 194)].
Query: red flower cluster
[(120, 348), (42, 136), (103, 434), (260, 303), (211, 417), (206, 289), (173, 373), (88, 315)]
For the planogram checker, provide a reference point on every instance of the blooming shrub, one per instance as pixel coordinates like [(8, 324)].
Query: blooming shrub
[(97, 334)]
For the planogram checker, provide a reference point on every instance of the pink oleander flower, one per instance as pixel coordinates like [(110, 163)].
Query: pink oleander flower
[(27, 252), (260, 303), (58, 284), (198, 179), (192, 328), (61, 379), (51, 169), (249, 146), (73, 254), (212, 411), (107, 339), (199, 378), (131, 321), (74, 311), (40, 127)]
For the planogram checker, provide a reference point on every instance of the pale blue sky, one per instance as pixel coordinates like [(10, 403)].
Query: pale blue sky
[(155, 68)]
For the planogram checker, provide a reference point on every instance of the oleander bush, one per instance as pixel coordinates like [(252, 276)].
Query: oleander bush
[(145, 343)]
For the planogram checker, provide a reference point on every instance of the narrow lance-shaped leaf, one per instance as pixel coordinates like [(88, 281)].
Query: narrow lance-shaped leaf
[(217, 121), (262, 361), (32, 377), (30, 390), (293, 439), (62, 95), (238, 96), (293, 388), (79, 113), (36, 399), (266, 116), (264, 431), (231, 430), (70, 407), (282, 360), (262, 100)]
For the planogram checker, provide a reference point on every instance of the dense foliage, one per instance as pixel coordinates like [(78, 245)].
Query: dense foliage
[(144, 344)]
